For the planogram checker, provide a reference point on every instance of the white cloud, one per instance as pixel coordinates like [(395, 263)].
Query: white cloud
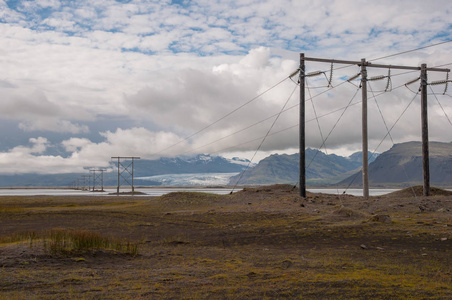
[(84, 153), (175, 69), (34, 112), (23, 159), (54, 125)]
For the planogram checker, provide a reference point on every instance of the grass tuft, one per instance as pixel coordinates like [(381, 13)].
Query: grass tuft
[(66, 241)]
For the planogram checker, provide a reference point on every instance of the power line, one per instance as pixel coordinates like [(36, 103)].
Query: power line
[(450, 122), (388, 133), (225, 116), (400, 53), (263, 140), (412, 50), (289, 108), (275, 115), (332, 129)]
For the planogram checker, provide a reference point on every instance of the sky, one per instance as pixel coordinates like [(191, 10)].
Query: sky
[(83, 81)]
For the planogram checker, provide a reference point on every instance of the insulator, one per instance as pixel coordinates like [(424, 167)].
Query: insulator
[(312, 74), (331, 76), (440, 82), (445, 87), (353, 77), (412, 81), (375, 78), (388, 83), (294, 73)]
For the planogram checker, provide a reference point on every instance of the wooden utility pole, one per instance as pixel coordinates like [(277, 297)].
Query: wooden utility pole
[(424, 121), (302, 134), (364, 65), (364, 129)]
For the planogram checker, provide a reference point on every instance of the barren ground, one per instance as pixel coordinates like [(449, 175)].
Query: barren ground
[(258, 243)]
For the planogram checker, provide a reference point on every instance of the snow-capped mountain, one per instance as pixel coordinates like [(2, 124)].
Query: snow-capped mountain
[(182, 170)]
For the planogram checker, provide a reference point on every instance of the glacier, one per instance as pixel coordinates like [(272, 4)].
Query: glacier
[(191, 179)]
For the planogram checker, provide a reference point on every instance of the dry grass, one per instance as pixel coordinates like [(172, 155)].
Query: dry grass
[(261, 243), (69, 242)]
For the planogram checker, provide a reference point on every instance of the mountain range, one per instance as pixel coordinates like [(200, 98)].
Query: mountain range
[(321, 168), (399, 166)]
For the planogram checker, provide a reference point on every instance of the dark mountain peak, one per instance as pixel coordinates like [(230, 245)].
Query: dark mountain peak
[(403, 164), (358, 156), (415, 149)]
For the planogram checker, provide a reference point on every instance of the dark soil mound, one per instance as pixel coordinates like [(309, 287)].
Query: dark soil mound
[(189, 198), (418, 190), (272, 188), (128, 193)]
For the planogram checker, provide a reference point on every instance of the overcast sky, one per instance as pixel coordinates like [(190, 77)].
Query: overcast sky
[(82, 81)]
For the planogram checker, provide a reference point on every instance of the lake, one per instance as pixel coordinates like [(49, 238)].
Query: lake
[(158, 191)]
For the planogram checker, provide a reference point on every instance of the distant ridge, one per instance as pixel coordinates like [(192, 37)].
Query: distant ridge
[(284, 168), (402, 166)]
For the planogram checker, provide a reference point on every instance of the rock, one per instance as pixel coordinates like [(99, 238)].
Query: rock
[(381, 218)]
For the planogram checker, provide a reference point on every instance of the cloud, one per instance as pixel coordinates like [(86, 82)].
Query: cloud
[(31, 159), (170, 71), (35, 112), (85, 153), (135, 141), (54, 125), (196, 98)]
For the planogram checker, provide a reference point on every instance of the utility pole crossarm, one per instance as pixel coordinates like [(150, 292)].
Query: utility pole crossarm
[(371, 65)]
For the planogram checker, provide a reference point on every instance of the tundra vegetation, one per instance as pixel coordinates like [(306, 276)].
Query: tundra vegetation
[(258, 243)]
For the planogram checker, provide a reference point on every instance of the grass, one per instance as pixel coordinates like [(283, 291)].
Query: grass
[(69, 242), (194, 246), (63, 241)]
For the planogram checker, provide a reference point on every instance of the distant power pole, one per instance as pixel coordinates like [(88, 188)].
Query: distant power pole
[(85, 179), (364, 65), (98, 176), (125, 170)]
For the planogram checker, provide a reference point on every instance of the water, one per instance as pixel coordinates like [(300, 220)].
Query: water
[(158, 191), (354, 192)]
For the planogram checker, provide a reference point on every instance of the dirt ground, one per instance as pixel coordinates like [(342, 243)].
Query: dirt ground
[(258, 243)]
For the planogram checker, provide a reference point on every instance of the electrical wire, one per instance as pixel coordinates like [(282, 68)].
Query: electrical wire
[(390, 136), (223, 117), (310, 99), (292, 107), (412, 50), (441, 106), (401, 53), (254, 140), (285, 110), (263, 140), (392, 127), (337, 122), (261, 121), (316, 118)]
